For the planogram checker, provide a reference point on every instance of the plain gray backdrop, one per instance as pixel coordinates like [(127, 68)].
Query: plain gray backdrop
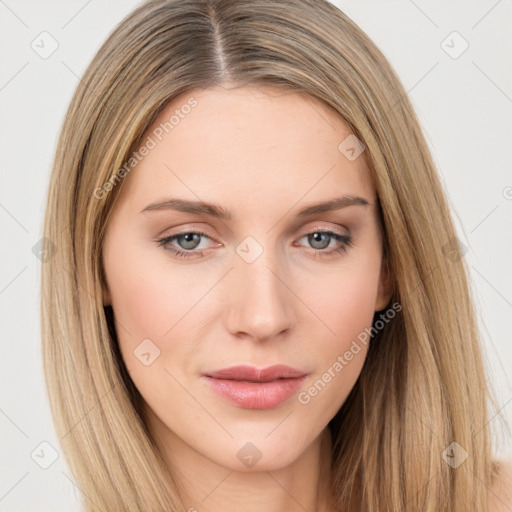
[(463, 97)]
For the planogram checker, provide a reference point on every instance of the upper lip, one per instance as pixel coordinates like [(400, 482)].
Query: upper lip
[(251, 373)]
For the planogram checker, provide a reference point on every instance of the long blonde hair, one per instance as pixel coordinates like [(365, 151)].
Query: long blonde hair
[(423, 385)]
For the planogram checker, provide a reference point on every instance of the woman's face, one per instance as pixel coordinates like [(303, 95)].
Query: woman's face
[(263, 285)]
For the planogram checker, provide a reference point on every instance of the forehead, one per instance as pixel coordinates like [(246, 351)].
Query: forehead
[(250, 143)]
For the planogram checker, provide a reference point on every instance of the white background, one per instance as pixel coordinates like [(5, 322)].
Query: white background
[(464, 105)]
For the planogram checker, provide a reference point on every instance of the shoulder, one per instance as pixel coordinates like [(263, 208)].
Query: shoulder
[(501, 495)]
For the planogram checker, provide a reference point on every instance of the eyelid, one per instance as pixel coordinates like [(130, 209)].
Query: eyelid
[(175, 234), (304, 232), (345, 240), (329, 227)]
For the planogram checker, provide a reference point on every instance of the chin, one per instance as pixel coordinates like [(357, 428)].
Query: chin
[(261, 452)]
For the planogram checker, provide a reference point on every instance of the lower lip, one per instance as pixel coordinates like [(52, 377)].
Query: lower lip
[(256, 395)]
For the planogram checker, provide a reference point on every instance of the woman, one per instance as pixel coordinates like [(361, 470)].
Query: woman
[(258, 299)]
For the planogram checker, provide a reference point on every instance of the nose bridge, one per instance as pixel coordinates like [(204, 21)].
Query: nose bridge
[(260, 305)]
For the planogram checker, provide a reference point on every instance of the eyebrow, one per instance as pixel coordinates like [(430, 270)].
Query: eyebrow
[(217, 211)]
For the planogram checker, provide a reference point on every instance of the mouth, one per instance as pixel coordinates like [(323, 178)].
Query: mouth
[(251, 388)]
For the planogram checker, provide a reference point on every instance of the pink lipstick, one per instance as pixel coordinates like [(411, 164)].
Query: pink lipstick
[(253, 388)]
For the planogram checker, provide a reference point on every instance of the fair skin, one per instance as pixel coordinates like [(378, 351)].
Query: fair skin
[(263, 155), (216, 310), (500, 496)]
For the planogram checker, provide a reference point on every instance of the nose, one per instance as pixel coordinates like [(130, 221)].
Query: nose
[(260, 301)]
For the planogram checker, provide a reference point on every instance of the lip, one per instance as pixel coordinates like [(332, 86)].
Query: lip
[(252, 388), (251, 373)]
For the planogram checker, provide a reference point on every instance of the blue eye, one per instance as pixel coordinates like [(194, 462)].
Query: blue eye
[(188, 242), (191, 239), (318, 238)]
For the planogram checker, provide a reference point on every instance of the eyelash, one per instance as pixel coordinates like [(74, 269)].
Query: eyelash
[(345, 239)]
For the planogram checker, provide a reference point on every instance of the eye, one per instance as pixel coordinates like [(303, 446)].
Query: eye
[(187, 240), (321, 240)]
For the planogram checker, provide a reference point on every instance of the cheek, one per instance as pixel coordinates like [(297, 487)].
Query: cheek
[(346, 308), (172, 305), (150, 300), (344, 300), (349, 307)]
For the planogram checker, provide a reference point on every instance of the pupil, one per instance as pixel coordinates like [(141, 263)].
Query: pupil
[(190, 243), (317, 237)]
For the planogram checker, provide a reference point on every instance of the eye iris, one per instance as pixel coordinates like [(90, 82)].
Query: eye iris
[(189, 239), (317, 237)]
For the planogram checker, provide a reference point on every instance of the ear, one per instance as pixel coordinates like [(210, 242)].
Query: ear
[(386, 286)]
